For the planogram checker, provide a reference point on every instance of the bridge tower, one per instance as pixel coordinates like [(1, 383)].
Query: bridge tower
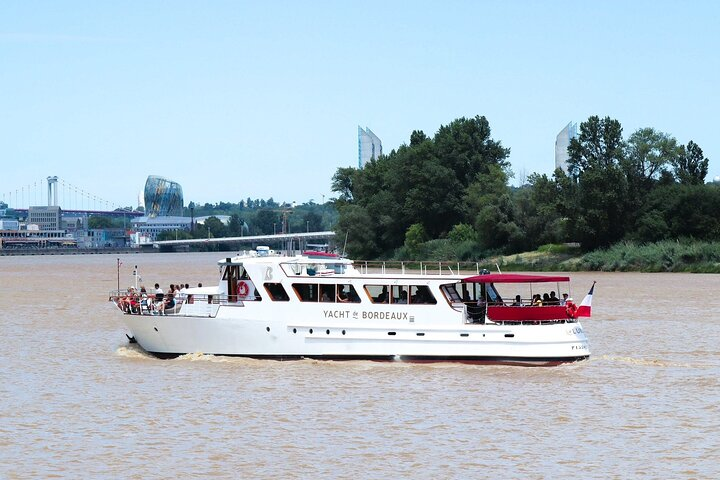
[(52, 191)]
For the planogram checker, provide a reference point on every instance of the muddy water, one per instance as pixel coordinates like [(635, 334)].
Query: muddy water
[(77, 401)]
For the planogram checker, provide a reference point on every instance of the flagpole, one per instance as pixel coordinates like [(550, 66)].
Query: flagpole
[(118, 274)]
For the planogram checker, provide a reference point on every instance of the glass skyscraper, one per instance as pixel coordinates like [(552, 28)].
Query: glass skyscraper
[(369, 146), (562, 142), (163, 198)]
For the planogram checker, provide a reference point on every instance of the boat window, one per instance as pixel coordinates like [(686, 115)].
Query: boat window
[(421, 294), (463, 292), (306, 292), (327, 293), (378, 293), (401, 294), (277, 292), (471, 293), (347, 294)]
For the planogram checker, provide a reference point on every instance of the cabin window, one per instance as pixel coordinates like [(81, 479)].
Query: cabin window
[(421, 294), (277, 292), (378, 293), (347, 294), (330, 292), (327, 293), (401, 294), (462, 292), (306, 292)]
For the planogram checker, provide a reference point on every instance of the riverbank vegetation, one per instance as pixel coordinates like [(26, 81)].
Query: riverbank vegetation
[(639, 203)]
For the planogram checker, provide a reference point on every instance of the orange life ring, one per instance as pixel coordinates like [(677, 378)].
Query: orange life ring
[(571, 310), (242, 288)]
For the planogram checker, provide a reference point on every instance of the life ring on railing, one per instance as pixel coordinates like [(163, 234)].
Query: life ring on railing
[(242, 288), (571, 309)]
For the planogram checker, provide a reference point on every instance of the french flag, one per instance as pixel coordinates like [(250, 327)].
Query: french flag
[(584, 308)]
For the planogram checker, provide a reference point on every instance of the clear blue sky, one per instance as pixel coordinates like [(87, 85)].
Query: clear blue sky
[(238, 99)]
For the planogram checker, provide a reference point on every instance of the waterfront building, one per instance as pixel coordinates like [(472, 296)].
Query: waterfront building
[(369, 146), (150, 227), (9, 224), (163, 197), (46, 218), (562, 142)]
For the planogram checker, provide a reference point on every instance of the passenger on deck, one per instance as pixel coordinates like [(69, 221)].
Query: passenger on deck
[(383, 297), (537, 301), (546, 299), (144, 303), (403, 297), (169, 303), (564, 299), (158, 295), (554, 300), (517, 302)]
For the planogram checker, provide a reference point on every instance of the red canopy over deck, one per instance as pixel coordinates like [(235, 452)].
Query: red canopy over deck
[(514, 278)]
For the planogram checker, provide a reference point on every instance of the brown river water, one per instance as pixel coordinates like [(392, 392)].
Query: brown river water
[(76, 401)]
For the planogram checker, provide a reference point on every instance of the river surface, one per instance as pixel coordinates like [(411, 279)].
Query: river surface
[(76, 401)]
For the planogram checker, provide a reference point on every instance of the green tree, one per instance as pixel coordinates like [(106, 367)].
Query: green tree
[(215, 226), (600, 215), (356, 232), (342, 183), (267, 222), (235, 226), (691, 166), (415, 236), (97, 221), (489, 197), (462, 232)]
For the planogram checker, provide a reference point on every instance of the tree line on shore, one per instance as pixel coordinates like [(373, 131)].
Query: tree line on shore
[(448, 197)]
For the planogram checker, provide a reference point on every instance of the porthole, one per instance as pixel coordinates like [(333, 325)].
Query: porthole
[(267, 328), (294, 330), (420, 334), (311, 330), (327, 332), (392, 333), (343, 332), (464, 334)]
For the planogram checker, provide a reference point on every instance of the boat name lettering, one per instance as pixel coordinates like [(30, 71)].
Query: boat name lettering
[(582, 346), (385, 315), (574, 331), (366, 315)]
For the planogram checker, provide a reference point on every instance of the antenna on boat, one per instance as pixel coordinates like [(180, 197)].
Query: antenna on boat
[(345, 245), (498, 267)]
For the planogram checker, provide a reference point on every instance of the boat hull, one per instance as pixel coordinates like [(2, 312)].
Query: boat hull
[(231, 332)]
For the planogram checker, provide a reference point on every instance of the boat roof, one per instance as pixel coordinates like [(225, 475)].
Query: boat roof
[(514, 278)]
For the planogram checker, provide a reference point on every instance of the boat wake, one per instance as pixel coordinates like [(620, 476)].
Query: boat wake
[(133, 350), (650, 362)]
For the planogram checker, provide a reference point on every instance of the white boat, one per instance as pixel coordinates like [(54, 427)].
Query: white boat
[(325, 307)]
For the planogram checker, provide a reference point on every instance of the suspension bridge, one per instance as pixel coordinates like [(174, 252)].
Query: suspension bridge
[(57, 191)]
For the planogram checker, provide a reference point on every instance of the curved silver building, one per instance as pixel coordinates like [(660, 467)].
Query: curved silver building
[(163, 197)]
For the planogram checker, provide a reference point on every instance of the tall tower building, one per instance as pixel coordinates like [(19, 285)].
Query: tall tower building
[(369, 146), (562, 142), (163, 197)]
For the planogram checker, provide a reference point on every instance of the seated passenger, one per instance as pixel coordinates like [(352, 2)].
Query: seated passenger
[(554, 300), (403, 297), (383, 297), (517, 302)]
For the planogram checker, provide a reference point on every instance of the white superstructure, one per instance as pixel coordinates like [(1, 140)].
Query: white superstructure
[(322, 306)]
